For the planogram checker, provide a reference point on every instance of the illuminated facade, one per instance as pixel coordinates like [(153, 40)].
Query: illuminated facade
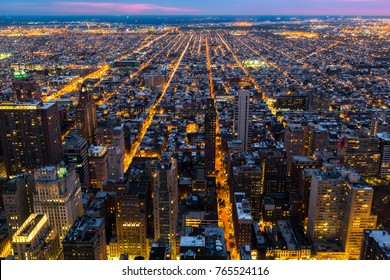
[(165, 202), (86, 116), (357, 215), (361, 153), (58, 195), (325, 205), (31, 135), (98, 165), (36, 240), (340, 209), (131, 222), (242, 121)]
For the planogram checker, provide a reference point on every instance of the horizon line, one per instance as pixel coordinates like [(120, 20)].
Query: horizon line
[(192, 15)]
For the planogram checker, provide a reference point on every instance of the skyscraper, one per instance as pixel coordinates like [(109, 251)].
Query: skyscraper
[(356, 214), (340, 208), (242, 118), (86, 116), (98, 165), (131, 222), (30, 135), (165, 202), (210, 133), (58, 194), (18, 201), (325, 205), (76, 153)]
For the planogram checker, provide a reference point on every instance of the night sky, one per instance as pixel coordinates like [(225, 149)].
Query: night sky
[(195, 7)]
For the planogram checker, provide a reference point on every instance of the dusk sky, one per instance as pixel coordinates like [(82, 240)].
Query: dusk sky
[(195, 7)]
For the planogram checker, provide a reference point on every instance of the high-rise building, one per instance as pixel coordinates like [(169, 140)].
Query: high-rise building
[(30, 135), (36, 240), (242, 118), (131, 222), (76, 153), (361, 153), (356, 214), (98, 165), (375, 245), (109, 134), (86, 116), (315, 139), (247, 179), (115, 169), (384, 144), (293, 143), (210, 121), (58, 195), (274, 171), (325, 205), (340, 208), (242, 220), (18, 201), (86, 240), (165, 202)]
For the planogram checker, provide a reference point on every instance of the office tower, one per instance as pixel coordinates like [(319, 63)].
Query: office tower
[(293, 143), (294, 140), (384, 149), (36, 240), (315, 139), (361, 153), (274, 172), (98, 165), (86, 116), (210, 121), (76, 153), (86, 240), (131, 222), (325, 205), (242, 220), (242, 118), (25, 89), (109, 134), (30, 135), (375, 245), (115, 169), (340, 208), (165, 202), (356, 214), (247, 179), (58, 195), (18, 201)]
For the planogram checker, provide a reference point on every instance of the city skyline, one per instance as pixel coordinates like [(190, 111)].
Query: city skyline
[(194, 138), (201, 7)]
